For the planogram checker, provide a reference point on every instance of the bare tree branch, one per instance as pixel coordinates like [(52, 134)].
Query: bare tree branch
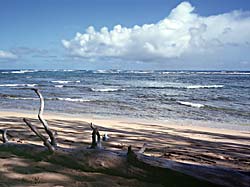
[(144, 147), (43, 121), (43, 138), (4, 136)]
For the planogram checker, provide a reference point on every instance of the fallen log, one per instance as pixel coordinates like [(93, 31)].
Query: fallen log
[(132, 165)]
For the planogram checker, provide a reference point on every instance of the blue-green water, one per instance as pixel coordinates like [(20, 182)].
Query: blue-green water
[(208, 96)]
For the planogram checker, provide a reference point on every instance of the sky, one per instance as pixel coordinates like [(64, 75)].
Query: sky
[(125, 34)]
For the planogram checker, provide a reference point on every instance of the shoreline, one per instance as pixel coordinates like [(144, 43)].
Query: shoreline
[(197, 124), (136, 124)]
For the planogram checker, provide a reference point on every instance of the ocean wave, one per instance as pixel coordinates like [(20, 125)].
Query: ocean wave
[(204, 86), (196, 105), (139, 72), (23, 71), (73, 99), (106, 71), (19, 71), (223, 73), (18, 85), (21, 98), (59, 86), (64, 81), (106, 89)]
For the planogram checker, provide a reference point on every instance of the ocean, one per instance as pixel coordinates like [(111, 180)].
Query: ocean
[(210, 96)]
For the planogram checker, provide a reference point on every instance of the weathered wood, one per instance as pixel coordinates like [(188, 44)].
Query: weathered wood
[(4, 135), (96, 138), (43, 121), (143, 149), (133, 165), (180, 173), (45, 140)]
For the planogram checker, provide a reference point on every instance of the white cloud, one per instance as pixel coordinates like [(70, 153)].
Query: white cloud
[(182, 33), (7, 55)]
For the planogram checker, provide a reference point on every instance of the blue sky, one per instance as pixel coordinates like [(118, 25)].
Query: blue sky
[(42, 34)]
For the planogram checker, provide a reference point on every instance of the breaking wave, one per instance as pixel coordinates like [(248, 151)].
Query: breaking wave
[(196, 105), (18, 85), (73, 99), (204, 86), (64, 81), (107, 89)]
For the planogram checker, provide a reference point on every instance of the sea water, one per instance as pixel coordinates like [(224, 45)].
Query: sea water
[(212, 96)]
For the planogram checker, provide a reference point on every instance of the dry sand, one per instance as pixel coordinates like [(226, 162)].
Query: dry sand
[(183, 143)]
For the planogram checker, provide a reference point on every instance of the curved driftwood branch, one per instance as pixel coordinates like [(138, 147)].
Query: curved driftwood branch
[(4, 135), (43, 138), (43, 121), (143, 149), (96, 138)]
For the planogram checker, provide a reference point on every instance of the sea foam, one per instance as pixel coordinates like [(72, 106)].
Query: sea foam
[(204, 86), (73, 99), (197, 105), (106, 89), (64, 81), (18, 85)]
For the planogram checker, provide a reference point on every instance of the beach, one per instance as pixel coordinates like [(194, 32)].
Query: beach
[(178, 142)]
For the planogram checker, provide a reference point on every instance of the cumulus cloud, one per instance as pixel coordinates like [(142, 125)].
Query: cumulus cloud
[(7, 55), (182, 33)]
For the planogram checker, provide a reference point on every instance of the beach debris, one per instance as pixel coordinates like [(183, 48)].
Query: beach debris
[(50, 143), (105, 137), (96, 138), (143, 149), (4, 135)]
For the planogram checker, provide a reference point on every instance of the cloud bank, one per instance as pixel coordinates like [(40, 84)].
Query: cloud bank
[(182, 33), (7, 55)]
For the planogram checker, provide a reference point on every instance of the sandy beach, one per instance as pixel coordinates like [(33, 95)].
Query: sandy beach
[(188, 144)]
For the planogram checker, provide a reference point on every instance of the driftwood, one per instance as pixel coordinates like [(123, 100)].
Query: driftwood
[(45, 140), (128, 164), (51, 134), (133, 165), (4, 136), (96, 138)]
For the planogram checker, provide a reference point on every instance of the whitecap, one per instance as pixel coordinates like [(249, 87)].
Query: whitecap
[(30, 85), (73, 99), (58, 86), (18, 85), (197, 105), (101, 71), (106, 89), (64, 81), (23, 71), (61, 82), (204, 86), (22, 98)]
